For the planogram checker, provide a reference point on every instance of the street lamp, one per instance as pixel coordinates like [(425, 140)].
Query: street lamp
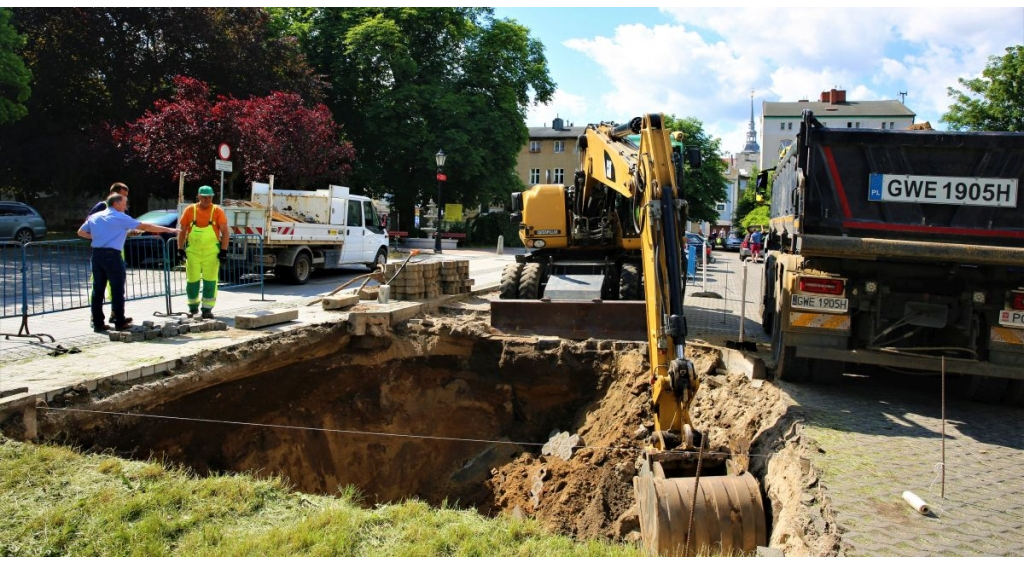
[(439, 157)]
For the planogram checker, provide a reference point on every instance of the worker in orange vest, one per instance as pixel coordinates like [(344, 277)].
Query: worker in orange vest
[(203, 244)]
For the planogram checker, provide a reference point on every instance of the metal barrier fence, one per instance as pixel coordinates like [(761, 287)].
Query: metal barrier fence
[(51, 276)]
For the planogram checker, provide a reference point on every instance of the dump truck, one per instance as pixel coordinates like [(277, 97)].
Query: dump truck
[(295, 231), (618, 233), (897, 249)]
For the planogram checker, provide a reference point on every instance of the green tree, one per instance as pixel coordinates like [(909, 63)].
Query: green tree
[(704, 187), (96, 68), (995, 100), (407, 82), (752, 209), (14, 75)]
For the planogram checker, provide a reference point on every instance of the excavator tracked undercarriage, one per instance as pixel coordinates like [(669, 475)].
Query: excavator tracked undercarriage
[(604, 260)]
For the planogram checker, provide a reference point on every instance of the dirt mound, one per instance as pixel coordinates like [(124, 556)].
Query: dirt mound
[(591, 494)]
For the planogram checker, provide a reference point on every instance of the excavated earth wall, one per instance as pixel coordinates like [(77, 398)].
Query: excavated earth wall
[(448, 409)]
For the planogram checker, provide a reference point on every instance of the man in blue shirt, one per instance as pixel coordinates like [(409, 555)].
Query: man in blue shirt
[(115, 188), (107, 231)]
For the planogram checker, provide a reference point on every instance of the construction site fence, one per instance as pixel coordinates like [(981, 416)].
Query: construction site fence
[(52, 276)]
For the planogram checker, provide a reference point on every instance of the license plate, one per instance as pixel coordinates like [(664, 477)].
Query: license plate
[(956, 190), (1011, 317), (819, 303)]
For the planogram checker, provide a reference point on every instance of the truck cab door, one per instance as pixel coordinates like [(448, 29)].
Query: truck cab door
[(352, 251)]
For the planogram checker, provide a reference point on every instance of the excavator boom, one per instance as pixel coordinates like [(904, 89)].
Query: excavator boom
[(624, 217)]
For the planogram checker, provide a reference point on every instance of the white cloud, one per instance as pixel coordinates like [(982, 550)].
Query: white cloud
[(706, 63)]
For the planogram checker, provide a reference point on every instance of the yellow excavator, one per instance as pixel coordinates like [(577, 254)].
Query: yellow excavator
[(613, 242)]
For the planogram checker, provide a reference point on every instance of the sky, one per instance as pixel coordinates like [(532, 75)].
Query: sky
[(611, 64)]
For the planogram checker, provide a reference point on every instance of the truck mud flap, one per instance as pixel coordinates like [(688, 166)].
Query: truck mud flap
[(581, 320)]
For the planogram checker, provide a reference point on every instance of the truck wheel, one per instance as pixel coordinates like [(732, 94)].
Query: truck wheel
[(988, 389), (529, 281), (629, 282), (380, 260), (786, 366), (509, 288), (300, 271)]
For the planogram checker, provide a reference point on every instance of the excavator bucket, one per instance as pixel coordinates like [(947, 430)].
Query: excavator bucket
[(691, 516), (572, 319)]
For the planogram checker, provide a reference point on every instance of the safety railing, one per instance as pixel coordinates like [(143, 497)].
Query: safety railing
[(52, 276)]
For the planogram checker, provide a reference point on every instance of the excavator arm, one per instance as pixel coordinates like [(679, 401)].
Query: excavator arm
[(646, 175), (681, 511)]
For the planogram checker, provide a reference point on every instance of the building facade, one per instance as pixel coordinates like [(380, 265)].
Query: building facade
[(549, 157), (780, 121)]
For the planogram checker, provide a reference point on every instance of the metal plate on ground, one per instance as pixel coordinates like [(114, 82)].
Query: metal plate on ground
[(574, 287)]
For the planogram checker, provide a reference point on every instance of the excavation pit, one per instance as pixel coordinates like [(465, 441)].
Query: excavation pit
[(443, 410)]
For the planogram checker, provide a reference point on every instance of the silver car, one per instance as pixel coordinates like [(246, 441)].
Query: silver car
[(21, 223)]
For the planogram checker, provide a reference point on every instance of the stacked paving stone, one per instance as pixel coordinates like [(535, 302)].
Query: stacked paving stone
[(150, 330), (425, 280)]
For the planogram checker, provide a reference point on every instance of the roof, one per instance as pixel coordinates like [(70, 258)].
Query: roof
[(550, 133), (824, 109)]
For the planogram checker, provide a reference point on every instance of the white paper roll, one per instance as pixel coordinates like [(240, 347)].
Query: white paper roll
[(916, 502)]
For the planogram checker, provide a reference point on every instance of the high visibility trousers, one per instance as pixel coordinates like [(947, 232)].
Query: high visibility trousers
[(202, 266)]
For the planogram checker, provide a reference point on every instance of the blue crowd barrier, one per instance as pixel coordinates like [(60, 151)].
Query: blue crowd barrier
[(52, 276)]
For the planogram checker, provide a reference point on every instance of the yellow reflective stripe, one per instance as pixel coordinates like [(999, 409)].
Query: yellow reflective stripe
[(820, 321), (1008, 336)]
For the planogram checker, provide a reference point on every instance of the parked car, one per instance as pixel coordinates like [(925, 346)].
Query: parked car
[(21, 222), (148, 249), (733, 241), (698, 241)]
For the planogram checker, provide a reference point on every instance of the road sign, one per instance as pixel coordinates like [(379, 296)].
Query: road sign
[(223, 152), (223, 166)]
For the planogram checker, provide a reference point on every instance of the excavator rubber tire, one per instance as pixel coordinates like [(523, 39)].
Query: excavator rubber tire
[(510, 276), (728, 516), (529, 281)]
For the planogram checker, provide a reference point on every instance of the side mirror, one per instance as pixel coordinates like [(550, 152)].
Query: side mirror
[(693, 157)]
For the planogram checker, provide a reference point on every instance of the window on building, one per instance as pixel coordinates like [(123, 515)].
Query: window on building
[(720, 207), (892, 125), (534, 176), (856, 124), (883, 125), (782, 126), (534, 146), (559, 146), (559, 175), (789, 125)]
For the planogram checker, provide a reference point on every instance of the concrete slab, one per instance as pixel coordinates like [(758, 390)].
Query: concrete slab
[(340, 302), (265, 318)]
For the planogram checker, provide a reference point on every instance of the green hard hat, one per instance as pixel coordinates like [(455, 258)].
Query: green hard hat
[(205, 191)]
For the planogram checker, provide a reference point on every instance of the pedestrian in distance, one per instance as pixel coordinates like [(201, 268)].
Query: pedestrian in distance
[(107, 230), (203, 245), (755, 245)]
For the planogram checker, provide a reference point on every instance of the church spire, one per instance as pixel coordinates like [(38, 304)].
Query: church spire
[(751, 146)]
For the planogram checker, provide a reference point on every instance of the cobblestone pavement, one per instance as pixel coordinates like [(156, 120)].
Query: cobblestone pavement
[(714, 306), (881, 434)]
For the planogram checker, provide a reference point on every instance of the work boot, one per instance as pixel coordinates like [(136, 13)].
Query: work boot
[(192, 312), (100, 328), (207, 313), (114, 321)]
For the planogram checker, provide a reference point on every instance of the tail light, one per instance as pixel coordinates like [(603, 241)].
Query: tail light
[(1016, 300), (833, 286)]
